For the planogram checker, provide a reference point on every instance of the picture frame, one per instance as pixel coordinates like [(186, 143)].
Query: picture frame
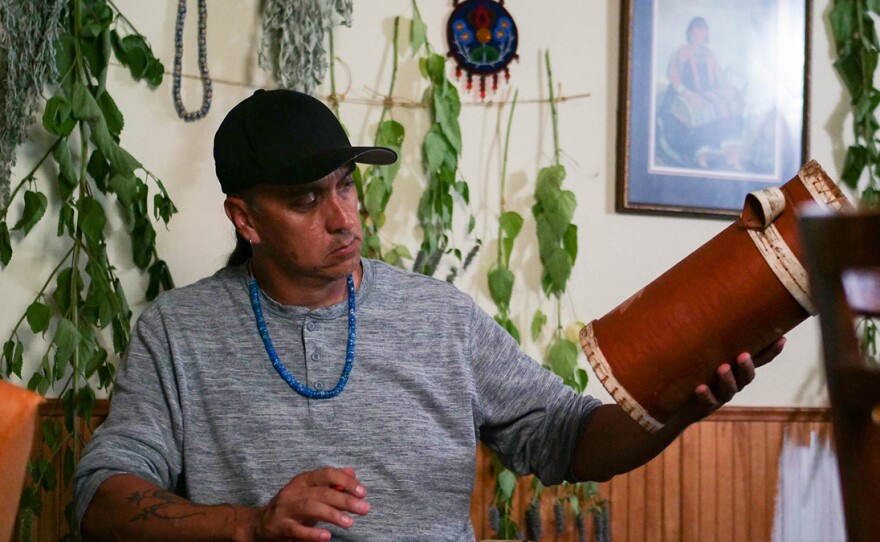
[(713, 103)]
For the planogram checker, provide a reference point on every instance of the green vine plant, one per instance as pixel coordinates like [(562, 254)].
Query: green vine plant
[(376, 183), (441, 150), (558, 248), (501, 280), (82, 301), (857, 46)]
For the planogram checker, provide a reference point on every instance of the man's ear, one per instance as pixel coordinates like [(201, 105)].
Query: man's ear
[(241, 215)]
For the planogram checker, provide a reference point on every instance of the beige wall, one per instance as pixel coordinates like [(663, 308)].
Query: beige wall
[(618, 253)]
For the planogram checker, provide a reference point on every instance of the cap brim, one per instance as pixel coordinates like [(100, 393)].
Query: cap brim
[(377, 156), (324, 163)]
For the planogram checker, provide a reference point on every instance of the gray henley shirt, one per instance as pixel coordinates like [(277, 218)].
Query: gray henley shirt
[(199, 409)]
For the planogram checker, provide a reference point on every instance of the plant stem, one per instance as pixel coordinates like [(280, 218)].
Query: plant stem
[(333, 98), (504, 258), (419, 15), (27, 178), (123, 17), (553, 113), (386, 106), (41, 292)]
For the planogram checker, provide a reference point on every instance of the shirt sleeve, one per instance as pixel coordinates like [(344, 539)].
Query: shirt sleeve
[(526, 415), (142, 435)]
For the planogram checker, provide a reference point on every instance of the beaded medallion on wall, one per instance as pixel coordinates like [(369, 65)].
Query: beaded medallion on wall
[(482, 39)]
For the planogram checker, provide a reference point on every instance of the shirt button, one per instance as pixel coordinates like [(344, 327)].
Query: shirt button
[(319, 385), (310, 326), (315, 356)]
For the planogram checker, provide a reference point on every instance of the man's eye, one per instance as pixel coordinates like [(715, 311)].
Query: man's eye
[(305, 200)]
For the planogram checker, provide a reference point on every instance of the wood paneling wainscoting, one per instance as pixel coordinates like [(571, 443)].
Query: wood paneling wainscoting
[(717, 482)]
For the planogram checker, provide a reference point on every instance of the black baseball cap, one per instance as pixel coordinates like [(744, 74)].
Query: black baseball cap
[(284, 137)]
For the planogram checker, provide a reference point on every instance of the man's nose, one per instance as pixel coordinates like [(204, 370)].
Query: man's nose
[(339, 214)]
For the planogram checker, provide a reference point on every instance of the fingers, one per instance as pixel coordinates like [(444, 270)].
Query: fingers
[(766, 355), (327, 495)]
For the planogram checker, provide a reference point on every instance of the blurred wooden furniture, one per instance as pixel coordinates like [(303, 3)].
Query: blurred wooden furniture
[(843, 254), (17, 418)]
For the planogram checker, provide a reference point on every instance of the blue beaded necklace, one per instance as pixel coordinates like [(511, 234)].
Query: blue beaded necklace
[(282, 371)]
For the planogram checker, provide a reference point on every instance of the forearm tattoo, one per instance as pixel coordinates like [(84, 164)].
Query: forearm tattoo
[(161, 504)]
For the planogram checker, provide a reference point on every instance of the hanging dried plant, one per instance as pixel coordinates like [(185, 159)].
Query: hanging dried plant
[(28, 32), (292, 45)]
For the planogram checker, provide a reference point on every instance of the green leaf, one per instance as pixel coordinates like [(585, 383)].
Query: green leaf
[(418, 34), (562, 359), (93, 51), (136, 55), (38, 316), (374, 201), (66, 170), (35, 381), (98, 169), (143, 243), (435, 149), (126, 189), (870, 198), (51, 431), (446, 110), (501, 286), (66, 340), (68, 464), (538, 322), (160, 279), (58, 116), (112, 115), (63, 289), (155, 72), (5, 244), (163, 208), (13, 357), (30, 500), (435, 66), (44, 474), (390, 134), (65, 61), (506, 484), (854, 164), (581, 378), (559, 211), (34, 209), (843, 17), (558, 269), (461, 188), (509, 327), (65, 220), (8, 350), (85, 402), (92, 219), (121, 162), (549, 182), (510, 223), (570, 242), (84, 105)]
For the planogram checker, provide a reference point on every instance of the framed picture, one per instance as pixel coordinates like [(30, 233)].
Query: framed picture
[(713, 102)]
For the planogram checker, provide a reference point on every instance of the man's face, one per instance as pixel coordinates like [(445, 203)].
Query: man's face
[(309, 231)]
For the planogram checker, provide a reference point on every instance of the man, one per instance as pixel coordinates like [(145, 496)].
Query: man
[(309, 393)]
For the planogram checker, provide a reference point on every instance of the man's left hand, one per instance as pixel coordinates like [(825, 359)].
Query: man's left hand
[(732, 378)]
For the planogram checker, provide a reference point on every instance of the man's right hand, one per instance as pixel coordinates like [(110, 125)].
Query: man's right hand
[(126, 507), (327, 495)]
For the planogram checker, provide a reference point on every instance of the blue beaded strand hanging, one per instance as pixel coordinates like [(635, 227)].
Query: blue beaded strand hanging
[(282, 370), (207, 90)]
